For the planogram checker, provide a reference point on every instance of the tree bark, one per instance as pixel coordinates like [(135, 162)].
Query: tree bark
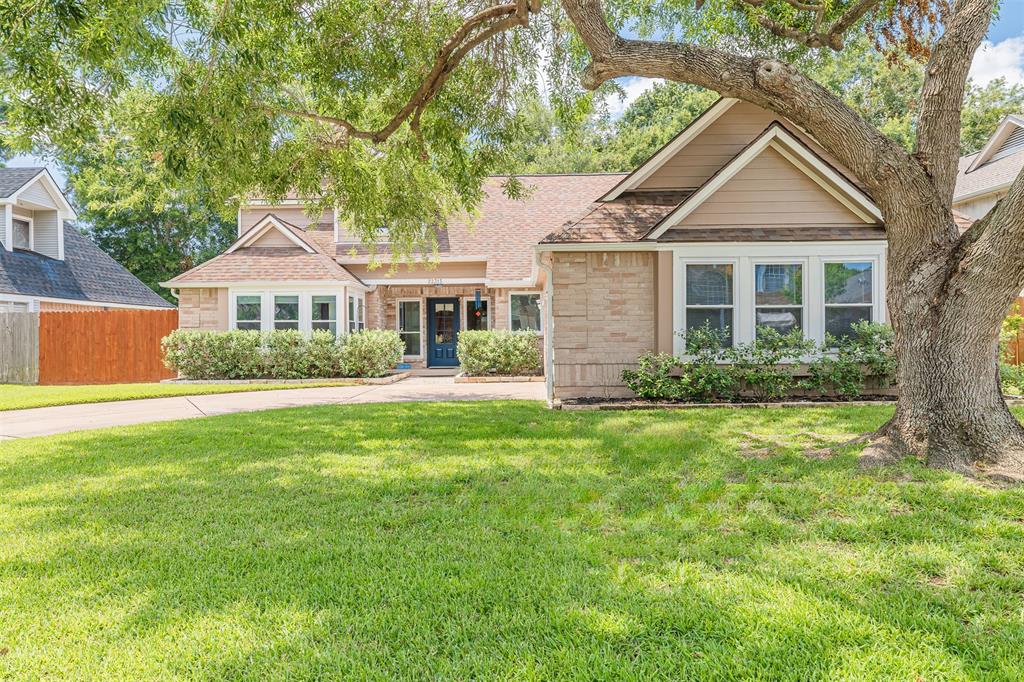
[(947, 293)]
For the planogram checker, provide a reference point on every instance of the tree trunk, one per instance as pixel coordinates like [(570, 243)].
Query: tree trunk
[(950, 411)]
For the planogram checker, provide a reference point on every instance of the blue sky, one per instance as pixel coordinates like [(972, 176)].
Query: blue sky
[(1002, 55)]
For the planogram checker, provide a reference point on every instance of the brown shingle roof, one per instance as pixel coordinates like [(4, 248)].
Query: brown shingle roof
[(625, 219), (266, 263)]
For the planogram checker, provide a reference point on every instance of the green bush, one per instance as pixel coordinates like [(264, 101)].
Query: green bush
[(370, 353), (653, 379), (842, 365), (280, 354), (504, 353), (765, 366), (700, 379)]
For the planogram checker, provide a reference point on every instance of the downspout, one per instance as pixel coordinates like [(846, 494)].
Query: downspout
[(549, 328)]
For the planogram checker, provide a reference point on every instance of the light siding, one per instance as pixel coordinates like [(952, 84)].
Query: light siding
[(296, 215)]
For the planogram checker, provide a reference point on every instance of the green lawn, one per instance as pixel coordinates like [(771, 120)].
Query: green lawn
[(500, 541), (19, 397)]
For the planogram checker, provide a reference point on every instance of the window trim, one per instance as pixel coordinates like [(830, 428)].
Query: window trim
[(31, 231), (680, 341), (540, 305), (233, 309), (804, 290), (464, 316), (305, 295), (337, 317), (398, 323)]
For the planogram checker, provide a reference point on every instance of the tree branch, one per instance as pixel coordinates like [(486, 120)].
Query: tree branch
[(938, 129), (477, 29), (832, 37)]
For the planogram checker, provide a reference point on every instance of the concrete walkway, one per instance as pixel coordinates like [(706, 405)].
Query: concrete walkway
[(45, 421)]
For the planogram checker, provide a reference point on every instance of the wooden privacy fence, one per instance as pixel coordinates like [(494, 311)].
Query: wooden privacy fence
[(19, 348), (1013, 350), (103, 347)]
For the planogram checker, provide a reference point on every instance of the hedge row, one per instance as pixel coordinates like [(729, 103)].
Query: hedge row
[(503, 353), (281, 354)]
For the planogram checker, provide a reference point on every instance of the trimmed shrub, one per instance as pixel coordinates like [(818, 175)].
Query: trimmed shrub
[(504, 353), (213, 355), (280, 354), (663, 376), (370, 353), (765, 366), (842, 365)]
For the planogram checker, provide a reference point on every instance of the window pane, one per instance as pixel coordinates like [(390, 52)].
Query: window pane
[(838, 320), (286, 312), (848, 283), (525, 312), (782, 320), (476, 317), (362, 314), (351, 314), (778, 284), (247, 309), (21, 234), (325, 308), (331, 326), (716, 318), (412, 343), (409, 326), (252, 326), (709, 285)]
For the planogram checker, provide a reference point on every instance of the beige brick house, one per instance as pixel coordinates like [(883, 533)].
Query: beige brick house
[(741, 221)]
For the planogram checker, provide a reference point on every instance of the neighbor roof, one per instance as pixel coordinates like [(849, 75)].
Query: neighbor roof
[(989, 177), (87, 273), (13, 179)]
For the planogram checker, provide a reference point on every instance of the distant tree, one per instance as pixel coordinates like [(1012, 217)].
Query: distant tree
[(154, 234), (984, 107)]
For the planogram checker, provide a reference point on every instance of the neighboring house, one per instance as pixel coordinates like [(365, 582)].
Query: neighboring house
[(985, 177), (46, 264), (740, 221)]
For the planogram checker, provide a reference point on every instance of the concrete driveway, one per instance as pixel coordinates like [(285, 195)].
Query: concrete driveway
[(45, 421)]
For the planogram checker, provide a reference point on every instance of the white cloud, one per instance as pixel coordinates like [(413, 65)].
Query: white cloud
[(1004, 59), (634, 87)]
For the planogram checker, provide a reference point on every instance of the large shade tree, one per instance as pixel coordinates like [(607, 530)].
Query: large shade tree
[(395, 110)]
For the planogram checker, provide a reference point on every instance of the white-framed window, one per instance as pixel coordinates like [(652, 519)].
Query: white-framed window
[(779, 296), (709, 297), (410, 326), (286, 311), (23, 233), (524, 312), (476, 317), (849, 294), (324, 313), (356, 313), (249, 312)]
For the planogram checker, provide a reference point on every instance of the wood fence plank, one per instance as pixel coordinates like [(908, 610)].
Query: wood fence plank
[(103, 347), (19, 348)]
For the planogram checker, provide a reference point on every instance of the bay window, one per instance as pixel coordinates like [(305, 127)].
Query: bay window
[(409, 326), (778, 297), (849, 296), (709, 298), (524, 312)]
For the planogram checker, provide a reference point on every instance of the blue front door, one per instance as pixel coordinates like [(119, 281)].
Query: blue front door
[(443, 330)]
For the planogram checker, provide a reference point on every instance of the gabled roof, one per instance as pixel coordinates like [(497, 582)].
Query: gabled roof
[(269, 222), (624, 219), (14, 181), (1009, 131), (86, 274), (777, 137)]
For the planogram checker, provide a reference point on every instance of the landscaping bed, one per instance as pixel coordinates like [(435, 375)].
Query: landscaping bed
[(389, 378)]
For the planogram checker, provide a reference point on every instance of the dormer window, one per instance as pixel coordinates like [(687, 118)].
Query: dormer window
[(22, 233)]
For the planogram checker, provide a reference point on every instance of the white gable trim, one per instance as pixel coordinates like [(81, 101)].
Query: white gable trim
[(779, 139), (50, 185), (696, 127), (1003, 131), (266, 224)]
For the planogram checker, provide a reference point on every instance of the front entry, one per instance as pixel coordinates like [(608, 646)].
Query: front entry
[(443, 330)]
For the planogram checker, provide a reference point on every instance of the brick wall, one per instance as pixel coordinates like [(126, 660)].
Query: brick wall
[(604, 317), (202, 309)]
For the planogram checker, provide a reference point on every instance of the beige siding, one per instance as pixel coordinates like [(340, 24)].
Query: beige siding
[(273, 237), (713, 148), (203, 309), (295, 215), (604, 318), (37, 194), (978, 208), (440, 271), (771, 191)]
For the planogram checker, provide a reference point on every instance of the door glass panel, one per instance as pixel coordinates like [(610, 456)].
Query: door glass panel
[(476, 316), (444, 323), (409, 326)]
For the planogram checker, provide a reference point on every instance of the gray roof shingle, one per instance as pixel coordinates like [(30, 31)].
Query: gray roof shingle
[(86, 274), (989, 176), (13, 179)]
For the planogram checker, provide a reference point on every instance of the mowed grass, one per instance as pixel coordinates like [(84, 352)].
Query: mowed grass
[(20, 397), (501, 541)]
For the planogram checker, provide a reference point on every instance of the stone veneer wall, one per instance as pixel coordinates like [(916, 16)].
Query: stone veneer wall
[(604, 318), (203, 309)]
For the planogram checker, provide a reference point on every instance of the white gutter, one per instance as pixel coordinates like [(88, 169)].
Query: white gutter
[(549, 329)]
